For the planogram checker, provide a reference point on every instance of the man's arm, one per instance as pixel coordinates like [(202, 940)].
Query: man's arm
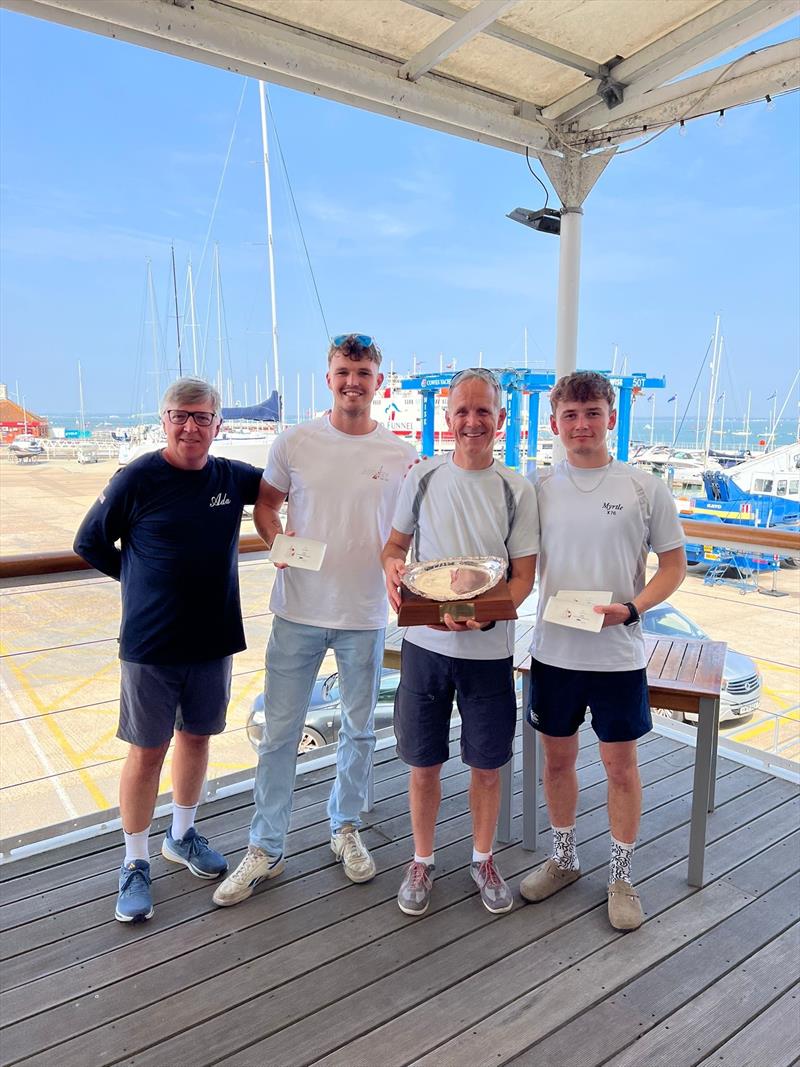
[(669, 575), (97, 534), (393, 560), (266, 517), (523, 573)]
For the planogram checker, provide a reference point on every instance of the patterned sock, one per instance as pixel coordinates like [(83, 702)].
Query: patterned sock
[(182, 820), (619, 869), (480, 857), (427, 860), (565, 853), (136, 846)]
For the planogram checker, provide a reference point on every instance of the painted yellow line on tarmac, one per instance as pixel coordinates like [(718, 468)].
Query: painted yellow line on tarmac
[(764, 727), (769, 664), (58, 734)]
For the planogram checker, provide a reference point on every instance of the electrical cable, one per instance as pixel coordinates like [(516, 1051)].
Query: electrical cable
[(536, 176)]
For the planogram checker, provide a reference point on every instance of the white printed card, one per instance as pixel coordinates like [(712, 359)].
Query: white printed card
[(298, 552), (575, 608)]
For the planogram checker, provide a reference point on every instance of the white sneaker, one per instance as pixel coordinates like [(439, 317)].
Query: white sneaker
[(349, 849), (256, 865)]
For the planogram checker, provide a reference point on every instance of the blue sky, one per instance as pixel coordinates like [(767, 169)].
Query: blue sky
[(110, 153)]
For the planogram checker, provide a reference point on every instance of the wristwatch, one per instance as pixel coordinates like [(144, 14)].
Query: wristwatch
[(634, 614)]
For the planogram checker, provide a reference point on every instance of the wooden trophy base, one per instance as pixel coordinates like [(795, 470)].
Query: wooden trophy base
[(494, 605)]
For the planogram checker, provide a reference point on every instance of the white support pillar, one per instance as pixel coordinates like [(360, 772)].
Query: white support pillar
[(569, 273)]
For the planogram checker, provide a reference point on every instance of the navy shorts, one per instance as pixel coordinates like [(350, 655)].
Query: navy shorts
[(156, 700), (487, 702), (618, 700)]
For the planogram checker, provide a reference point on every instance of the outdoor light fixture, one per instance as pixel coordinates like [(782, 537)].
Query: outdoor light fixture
[(548, 220)]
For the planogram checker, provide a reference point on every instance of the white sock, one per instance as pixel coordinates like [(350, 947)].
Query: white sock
[(619, 869), (427, 860), (136, 846), (182, 820), (565, 853), (480, 857)]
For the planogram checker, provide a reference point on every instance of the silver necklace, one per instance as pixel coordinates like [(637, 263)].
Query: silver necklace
[(596, 485)]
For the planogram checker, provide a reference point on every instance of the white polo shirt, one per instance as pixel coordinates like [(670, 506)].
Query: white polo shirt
[(597, 527)]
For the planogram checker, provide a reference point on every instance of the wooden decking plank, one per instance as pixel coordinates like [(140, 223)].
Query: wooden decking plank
[(148, 1024), (505, 1033), (345, 1018), (774, 1033), (719, 1014), (440, 1028), (171, 881), (45, 993), (622, 1020)]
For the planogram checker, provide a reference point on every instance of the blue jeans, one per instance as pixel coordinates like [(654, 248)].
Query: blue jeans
[(294, 655)]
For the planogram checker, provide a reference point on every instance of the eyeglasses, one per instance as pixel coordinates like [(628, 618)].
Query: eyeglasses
[(362, 339), (476, 372), (201, 418)]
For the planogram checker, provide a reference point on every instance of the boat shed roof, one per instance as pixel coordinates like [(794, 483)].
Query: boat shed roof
[(549, 76)]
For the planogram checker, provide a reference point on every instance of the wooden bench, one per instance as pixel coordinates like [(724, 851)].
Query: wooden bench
[(683, 676)]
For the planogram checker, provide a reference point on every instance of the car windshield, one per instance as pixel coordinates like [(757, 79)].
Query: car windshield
[(666, 621)]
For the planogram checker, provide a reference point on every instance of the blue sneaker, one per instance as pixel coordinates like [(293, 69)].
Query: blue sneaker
[(194, 852), (135, 901)]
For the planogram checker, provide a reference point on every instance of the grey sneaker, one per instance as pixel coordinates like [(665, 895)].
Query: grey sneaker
[(352, 853), (254, 868), (546, 880), (495, 894), (415, 891)]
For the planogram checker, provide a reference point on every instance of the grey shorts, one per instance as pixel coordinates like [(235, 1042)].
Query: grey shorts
[(155, 700)]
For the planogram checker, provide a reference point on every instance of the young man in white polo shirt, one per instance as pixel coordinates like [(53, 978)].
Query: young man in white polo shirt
[(461, 504), (599, 518), (341, 474)]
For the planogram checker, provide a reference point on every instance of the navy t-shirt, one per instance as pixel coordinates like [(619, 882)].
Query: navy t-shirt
[(178, 564)]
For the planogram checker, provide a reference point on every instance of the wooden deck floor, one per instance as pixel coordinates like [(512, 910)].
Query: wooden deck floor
[(315, 970)]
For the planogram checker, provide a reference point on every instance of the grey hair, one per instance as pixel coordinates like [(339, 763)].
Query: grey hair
[(190, 391), (482, 375)]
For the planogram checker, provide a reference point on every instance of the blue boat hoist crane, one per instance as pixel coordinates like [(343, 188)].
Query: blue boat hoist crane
[(517, 383)]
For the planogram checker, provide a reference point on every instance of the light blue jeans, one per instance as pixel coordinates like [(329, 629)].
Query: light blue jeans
[(294, 655)]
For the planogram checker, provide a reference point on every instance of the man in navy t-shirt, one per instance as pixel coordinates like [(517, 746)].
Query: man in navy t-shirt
[(176, 513)]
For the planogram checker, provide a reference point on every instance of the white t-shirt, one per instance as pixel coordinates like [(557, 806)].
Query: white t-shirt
[(342, 490), (466, 513), (596, 540)]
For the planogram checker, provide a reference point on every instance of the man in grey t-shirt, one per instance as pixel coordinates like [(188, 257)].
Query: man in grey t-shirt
[(599, 518), (462, 504)]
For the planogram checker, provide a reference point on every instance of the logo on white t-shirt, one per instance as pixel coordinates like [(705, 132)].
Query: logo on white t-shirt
[(611, 509), (379, 475)]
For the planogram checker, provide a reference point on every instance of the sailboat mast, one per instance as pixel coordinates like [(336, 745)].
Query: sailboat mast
[(712, 393), (152, 294), (177, 312), (699, 419), (268, 194), (220, 379), (194, 319), (722, 420), (652, 417), (80, 400), (747, 421)]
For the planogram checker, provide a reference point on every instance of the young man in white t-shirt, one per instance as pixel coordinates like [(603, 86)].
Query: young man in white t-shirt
[(341, 474), (599, 518), (461, 504)]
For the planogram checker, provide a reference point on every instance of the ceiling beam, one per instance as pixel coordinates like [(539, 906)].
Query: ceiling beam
[(467, 27), (729, 23), (772, 71), (503, 32), (687, 88), (257, 47)]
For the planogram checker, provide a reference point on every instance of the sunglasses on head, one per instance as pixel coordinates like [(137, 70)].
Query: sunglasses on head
[(475, 372), (362, 339)]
